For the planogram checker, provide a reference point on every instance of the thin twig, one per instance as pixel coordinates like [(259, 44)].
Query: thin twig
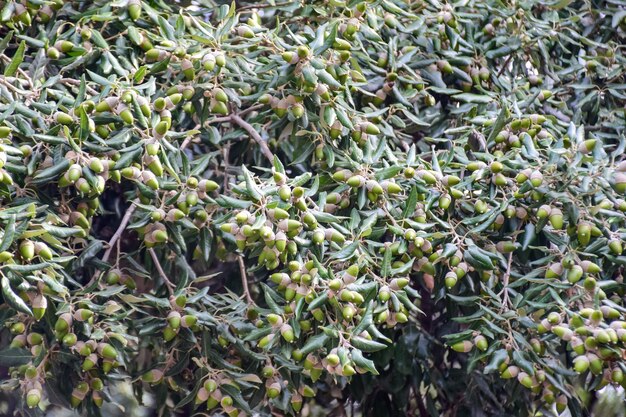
[(157, 264), (263, 6), (251, 109), (226, 156), (244, 280), (72, 81), (185, 142), (116, 236), (505, 284), (255, 135), (120, 229)]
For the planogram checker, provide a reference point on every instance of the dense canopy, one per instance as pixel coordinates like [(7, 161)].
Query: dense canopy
[(382, 207)]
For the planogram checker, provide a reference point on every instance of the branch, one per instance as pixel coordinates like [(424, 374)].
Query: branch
[(244, 280), (255, 135), (118, 233), (263, 6), (157, 264), (72, 81)]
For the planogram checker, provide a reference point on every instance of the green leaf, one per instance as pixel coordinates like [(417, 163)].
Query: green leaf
[(12, 299), (16, 60), (14, 357), (9, 234)]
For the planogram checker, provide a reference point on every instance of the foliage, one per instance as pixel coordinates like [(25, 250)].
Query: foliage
[(410, 208)]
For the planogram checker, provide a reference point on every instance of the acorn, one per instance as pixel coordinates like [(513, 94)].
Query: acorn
[(481, 343), (34, 339), (107, 351), (556, 218), (619, 182), (583, 232), (462, 347), (40, 303), (33, 397), (536, 178), (63, 323), (27, 249), (510, 372), (63, 118), (53, 53), (70, 339), (134, 9), (17, 328), (450, 280), (79, 393), (290, 57), (554, 270), (587, 146), (90, 362), (169, 333)]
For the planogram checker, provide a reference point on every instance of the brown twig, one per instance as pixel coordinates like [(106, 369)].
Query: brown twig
[(244, 280), (157, 264), (251, 109), (263, 6), (116, 236), (72, 81), (505, 283), (255, 135), (238, 120)]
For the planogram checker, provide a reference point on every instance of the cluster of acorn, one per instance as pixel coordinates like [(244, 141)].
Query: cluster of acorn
[(92, 353), (596, 337), (21, 14), (177, 319)]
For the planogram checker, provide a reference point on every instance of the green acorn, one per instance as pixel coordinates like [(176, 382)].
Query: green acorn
[(563, 332), (18, 341), (481, 343), (510, 372), (536, 178), (450, 280), (134, 9), (587, 146), (188, 320), (107, 351), (40, 304), (590, 267), (90, 362), (210, 385), (556, 218), (619, 182), (169, 333), (64, 46), (615, 245), (27, 249), (555, 270), (63, 118), (127, 116), (583, 232), (287, 333), (462, 347), (18, 328), (371, 129), (265, 341), (33, 397), (34, 339), (188, 71), (79, 393), (219, 107), (70, 339), (348, 312), (220, 95), (5, 131), (63, 323)]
